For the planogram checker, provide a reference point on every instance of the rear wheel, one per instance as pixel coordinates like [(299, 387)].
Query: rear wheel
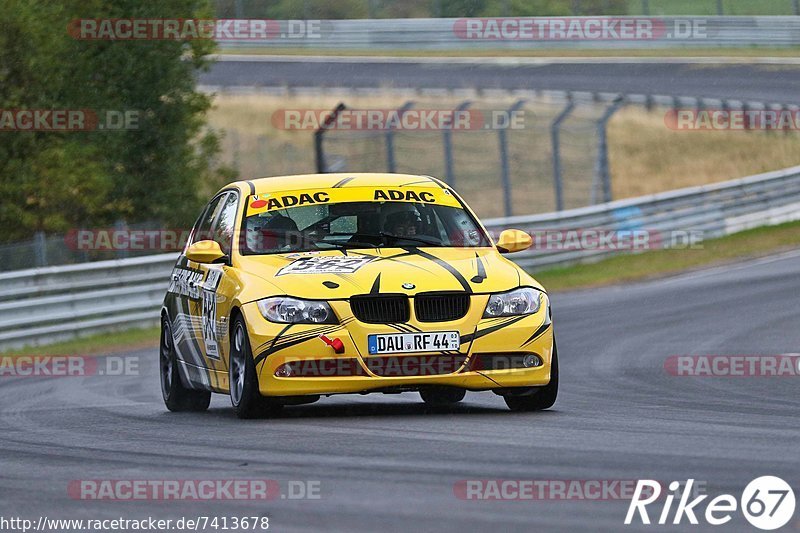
[(442, 395), (246, 399), (176, 396), (536, 398)]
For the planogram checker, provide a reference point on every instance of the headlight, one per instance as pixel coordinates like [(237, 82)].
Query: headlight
[(285, 310), (524, 301)]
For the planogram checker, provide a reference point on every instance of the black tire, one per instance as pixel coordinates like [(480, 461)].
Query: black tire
[(246, 399), (177, 397), (440, 396), (536, 398)]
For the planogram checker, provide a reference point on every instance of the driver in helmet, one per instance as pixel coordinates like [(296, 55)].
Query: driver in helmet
[(404, 220)]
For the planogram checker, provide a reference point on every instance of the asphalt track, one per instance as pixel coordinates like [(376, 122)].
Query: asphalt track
[(772, 83), (386, 463)]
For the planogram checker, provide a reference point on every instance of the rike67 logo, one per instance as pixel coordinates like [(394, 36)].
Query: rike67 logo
[(767, 502)]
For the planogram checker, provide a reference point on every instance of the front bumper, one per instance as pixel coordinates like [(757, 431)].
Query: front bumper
[(274, 345)]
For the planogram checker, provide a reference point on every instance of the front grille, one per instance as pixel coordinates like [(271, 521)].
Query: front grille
[(441, 307), (380, 309)]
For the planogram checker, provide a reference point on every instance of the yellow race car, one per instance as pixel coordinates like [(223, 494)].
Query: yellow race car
[(294, 287)]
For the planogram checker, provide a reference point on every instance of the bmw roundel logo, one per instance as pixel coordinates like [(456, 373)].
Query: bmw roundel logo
[(408, 286)]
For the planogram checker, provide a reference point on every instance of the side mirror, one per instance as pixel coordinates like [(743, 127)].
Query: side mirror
[(205, 252), (513, 240)]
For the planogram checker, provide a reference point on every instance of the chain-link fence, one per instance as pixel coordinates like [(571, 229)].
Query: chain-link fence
[(512, 158)]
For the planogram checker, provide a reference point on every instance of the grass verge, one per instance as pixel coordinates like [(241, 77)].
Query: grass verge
[(100, 344), (659, 263)]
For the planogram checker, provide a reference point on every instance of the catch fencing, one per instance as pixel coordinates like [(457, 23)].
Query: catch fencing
[(543, 151)]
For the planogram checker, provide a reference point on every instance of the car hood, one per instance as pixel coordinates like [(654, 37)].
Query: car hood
[(335, 274)]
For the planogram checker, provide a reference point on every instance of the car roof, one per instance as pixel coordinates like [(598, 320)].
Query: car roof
[(335, 180)]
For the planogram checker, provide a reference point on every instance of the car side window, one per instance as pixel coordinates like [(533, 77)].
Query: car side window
[(203, 230), (224, 227)]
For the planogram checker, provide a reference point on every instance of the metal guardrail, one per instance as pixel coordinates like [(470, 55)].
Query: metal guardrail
[(713, 210), (44, 305), (451, 34)]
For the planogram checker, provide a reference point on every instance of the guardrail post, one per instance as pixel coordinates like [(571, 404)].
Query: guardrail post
[(796, 7), (555, 139), (447, 140), (40, 249), (646, 8), (602, 174), (505, 170), (720, 10), (329, 121), (391, 164), (120, 226)]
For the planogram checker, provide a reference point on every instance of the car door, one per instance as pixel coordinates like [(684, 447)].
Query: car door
[(184, 299), (215, 294)]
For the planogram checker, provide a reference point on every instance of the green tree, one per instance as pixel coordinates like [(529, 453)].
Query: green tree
[(159, 172)]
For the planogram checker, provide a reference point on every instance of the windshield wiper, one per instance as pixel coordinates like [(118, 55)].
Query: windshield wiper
[(347, 244), (412, 239)]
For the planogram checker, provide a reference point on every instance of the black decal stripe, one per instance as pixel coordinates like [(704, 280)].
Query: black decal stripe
[(415, 182), (376, 285), (537, 333), (341, 183), (311, 334), (399, 327), (483, 332), (252, 187), (481, 270), (447, 266)]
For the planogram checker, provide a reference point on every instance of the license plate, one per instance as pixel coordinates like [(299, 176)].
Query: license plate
[(440, 341)]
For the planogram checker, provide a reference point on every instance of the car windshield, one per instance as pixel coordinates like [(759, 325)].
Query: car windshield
[(360, 225)]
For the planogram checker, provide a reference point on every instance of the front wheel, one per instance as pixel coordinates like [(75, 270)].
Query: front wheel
[(246, 399), (176, 396), (536, 398)]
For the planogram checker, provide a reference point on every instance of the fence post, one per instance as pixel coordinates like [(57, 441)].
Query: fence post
[(555, 134), (646, 8), (391, 164), (40, 249), (720, 10), (602, 174), (263, 160), (505, 171), (235, 148), (796, 7), (447, 139), (320, 154)]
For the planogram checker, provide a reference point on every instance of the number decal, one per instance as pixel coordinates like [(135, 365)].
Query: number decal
[(209, 313)]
